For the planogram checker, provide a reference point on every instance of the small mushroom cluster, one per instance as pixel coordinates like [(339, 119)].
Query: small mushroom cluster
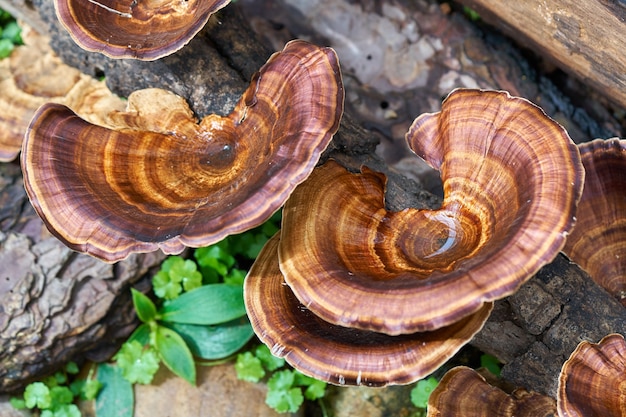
[(145, 30), (360, 278), (591, 384), (153, 178)]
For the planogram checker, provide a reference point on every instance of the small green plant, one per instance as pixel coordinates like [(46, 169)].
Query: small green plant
[(198, 317), (491, 363), (471, 14), (286, 387), (10, 34), (421, 391), (56, 395)]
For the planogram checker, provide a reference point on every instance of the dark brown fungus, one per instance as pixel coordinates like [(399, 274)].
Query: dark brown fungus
[(340, 355), (593, 380), (145, 30), (160, 180), (464, 392), (598, 241), (511, 179)]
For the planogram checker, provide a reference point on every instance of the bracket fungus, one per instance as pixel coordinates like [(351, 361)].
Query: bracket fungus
[(598, 241), (511, 179), (464, 392), (32, 76), (159, 180), (593, 380), (145, 30), (340, 355)]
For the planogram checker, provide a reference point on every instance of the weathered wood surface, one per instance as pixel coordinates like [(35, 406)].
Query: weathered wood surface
[(585, 38), (55, 305), (214, 68)]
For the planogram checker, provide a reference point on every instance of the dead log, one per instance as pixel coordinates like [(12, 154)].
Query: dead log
[(585, 38)]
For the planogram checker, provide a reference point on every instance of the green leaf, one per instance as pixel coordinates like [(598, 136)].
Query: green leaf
[(315, 391), (235, 277), (60, 378), (61, 395), (63, 410), (141, 334), (491, 363), (76, 386), (175, 354), (166, 285), (72, 368), (421, 392), (269, 361), (215, 257), (215, 342), (37, 394), (50, 381), (145, 308), (249, 368), (314, 388), (17, 403), (12, 32), (6, 47), (175, 274), (90, 389), (281, 395), (209, 304), (137, 364), (116, 399)]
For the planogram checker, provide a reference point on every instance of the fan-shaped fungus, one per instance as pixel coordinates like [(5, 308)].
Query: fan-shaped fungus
[(145, 30), (34, 75), (337, 354), (593, 380), (464, 392), (598, 241), (161, 180), (511, 179)]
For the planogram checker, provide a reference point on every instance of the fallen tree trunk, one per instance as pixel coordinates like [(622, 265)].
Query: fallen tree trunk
[(585, 38)]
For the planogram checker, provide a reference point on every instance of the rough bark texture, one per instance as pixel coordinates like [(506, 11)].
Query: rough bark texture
[(55, 305), (533, 331), (586, 38), (536, 329)]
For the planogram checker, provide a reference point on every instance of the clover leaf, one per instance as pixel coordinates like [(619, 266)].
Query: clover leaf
[(138, 363)]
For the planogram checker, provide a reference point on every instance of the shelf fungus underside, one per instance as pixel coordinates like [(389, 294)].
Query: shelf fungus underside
[(160, 180)]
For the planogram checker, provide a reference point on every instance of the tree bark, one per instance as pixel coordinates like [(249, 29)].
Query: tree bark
[(586, 38), (55, 305)]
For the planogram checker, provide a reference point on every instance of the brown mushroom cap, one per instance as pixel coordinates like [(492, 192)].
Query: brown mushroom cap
[(341, 355), (145, 30), (464, 392), (598, 242), (593, 380), (511, 179), (34, 75), (161, 180)]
